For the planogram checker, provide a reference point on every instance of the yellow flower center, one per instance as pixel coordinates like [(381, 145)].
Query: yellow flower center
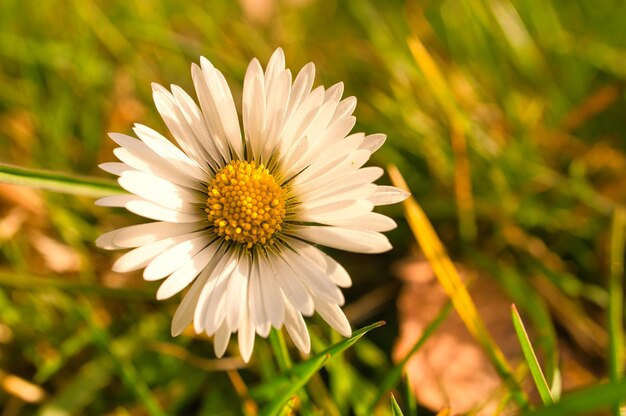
[(245, 204)]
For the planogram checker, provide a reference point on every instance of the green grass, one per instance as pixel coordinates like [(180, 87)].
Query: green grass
[(505, 118)]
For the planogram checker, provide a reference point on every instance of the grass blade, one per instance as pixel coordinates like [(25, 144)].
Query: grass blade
[(58, 182), (616, 299), (395, 408), (301, 375), (269, 389), (585, 401), (451, 282), (531, 358), (394, 375)]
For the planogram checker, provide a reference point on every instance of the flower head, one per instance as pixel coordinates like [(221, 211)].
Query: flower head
[(237, 218)]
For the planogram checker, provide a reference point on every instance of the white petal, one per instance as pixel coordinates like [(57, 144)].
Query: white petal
[(215, 275), (116, 168), (117, 200), (170, 153), (139, 257), (313, 277), (371, 221), (156, 212), (254, 107), (197, 124), (335, 271), (237, 293), (297, 329), (334, 316), (301, 88), (138, 235), (222, 336), (170, 260), (219, 109), (214, 307), (335, 211), (373, 142), (272, 296), (294, 290), (246, 336), (358, 241), (179, 280), (160, 191), (258, 317), (138, 155), (184, 313), (105, 240), (385, 195), (351, 181), (351, 163), (172, 116), (345, 108)]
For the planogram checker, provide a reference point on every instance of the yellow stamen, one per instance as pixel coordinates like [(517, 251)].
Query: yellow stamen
[(245, 204)]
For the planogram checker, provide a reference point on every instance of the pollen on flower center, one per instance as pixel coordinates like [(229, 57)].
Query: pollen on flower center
[(245, 204)]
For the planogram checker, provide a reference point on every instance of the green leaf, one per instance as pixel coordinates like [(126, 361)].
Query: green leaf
[(269, 389), (301, 375), (392, 378), (58, 182), (395, 408), (531, 358), (616, 300), (584, 401)]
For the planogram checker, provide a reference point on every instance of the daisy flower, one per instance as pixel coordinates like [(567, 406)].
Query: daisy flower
[(238, 217)]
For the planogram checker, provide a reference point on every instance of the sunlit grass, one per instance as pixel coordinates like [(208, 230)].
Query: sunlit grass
[(505, 118)]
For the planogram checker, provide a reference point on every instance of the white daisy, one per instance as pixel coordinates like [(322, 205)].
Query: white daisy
[(238, 217)]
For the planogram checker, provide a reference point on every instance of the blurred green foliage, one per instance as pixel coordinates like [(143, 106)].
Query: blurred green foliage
[(504, 116)]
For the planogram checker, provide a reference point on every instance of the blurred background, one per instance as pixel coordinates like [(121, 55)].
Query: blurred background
[(506, 118)]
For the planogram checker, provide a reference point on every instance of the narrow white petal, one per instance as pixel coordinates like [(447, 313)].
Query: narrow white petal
[(181, 278), (141, 234), (215, 308), (156, 212), (116, 168), (385, 195), (272, 296), (117, 201), (160, 191), (373, 142), (222, 269), (237, 293), (174, 157), (371, 221), (219, 109), (301, 88), (105, 240), (197, 123), (246, 336), (258, 317), (335, 271), (275, 66), (184, 313), (295, 291), (351, 181), (358, 241), (172, 116), (139, 257), (254, 107), (336, 211), (313, 277), (350, 163), (222, 336), (335, 317), (296, 327), (345, 108), (172, 259)]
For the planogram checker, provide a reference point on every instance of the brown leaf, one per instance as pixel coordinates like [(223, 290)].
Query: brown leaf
[(451, 370)]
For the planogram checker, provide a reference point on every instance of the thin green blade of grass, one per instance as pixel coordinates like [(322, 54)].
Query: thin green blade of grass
[(395, 408), (585, 401), (268, 389), (531, 358), (301, 375), (394, 375), (58, 182), (616, 299), (411, 403), (452, 283)]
